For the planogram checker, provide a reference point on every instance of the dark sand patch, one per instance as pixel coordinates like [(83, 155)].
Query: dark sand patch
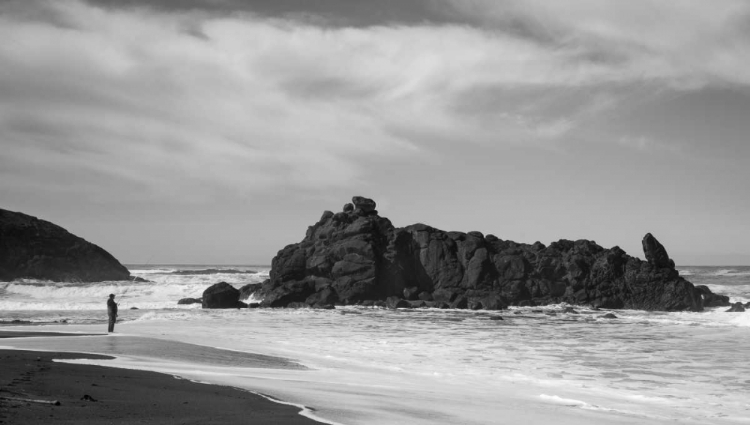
[(126, 345), (27, 334), (122, 396)]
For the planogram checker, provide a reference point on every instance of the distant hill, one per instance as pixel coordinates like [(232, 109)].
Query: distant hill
[(37, 249)]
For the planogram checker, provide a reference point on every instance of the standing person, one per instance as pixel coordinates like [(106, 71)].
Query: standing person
[(112, 312)]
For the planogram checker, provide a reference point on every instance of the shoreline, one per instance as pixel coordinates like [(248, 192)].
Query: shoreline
[(31, 381)]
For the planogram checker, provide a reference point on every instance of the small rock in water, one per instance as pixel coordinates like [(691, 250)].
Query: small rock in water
[(570, 310), (134, 308), (608, 316), (496, 318), (736, 308)]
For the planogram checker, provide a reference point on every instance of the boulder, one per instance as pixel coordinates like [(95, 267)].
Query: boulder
[(411, 293), (362, 256), (736, 308), (396, 302), (425, 296), (221, 295), (187, 301), (37, 249), (366, 205)]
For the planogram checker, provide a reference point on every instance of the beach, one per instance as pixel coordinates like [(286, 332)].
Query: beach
[(371, 366), (88, 394)]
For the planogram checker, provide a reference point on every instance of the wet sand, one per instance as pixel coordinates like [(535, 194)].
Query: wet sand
[(90, 394)]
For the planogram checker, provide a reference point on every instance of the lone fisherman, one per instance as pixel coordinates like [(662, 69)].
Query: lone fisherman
[(112, 312)]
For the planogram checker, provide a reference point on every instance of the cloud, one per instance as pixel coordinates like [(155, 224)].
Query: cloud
[(224, 104), (687, 44)]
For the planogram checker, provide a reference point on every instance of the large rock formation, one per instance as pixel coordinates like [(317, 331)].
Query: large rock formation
[(356, 256), (37, 249)]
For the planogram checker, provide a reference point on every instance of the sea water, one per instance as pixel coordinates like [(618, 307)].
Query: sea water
[(356, 365)]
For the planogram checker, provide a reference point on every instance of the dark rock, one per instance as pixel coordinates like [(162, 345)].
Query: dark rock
[(187, 301), (445, 295), (362, 256), (247, 291), (411, 293), (736, 308), (396, 302), (491, 302), (282, 295), (710, 299), (474, 305), (425, 296), (460, 302), (418, 304), (221, 295), (570, 310), (496, 318), (348, 208), (134, 308), (655, 253), (747, 305), (326, 296), (37, 249), (367, 205), (322, 306), (608, 316), (253, 305)]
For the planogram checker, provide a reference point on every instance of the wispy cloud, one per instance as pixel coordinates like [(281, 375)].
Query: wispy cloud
[(205, 102)]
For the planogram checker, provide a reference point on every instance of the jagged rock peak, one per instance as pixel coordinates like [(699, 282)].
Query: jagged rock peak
[(363, 206), (655, 253)]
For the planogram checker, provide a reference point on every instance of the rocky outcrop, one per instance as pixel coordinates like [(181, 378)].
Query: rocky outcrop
[(356, 256), (37, 249), (222, 295)]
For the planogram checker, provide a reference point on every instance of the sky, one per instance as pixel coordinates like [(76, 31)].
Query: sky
[(216, 131)]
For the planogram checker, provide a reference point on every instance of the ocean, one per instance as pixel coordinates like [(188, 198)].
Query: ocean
[(356, 365)]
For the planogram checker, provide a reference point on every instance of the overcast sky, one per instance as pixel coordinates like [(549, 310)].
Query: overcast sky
[(216, 131)]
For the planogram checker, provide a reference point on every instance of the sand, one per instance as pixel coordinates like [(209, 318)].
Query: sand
[(97, 395)]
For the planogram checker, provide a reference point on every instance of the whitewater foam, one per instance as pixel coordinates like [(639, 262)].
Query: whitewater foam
[(376, 366)]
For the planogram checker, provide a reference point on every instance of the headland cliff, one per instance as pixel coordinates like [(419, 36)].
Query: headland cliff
[(37, 249)]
